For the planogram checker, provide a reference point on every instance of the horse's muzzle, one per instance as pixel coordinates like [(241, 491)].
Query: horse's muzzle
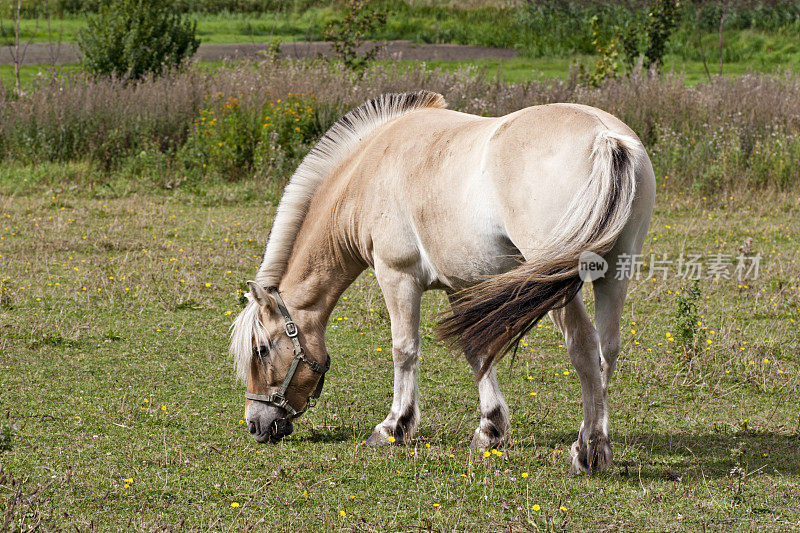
[(268, 423), (280, 428), (271, 433)]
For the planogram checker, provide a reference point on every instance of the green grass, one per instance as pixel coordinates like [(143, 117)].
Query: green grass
[(520, 69), (29, 73), (115, 303)]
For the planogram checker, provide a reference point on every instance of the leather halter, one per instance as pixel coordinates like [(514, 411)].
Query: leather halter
[(278, 399)]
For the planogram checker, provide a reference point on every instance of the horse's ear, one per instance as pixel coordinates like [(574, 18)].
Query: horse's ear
[(265, 299)]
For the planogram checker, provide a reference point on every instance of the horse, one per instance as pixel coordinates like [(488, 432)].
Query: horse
[(494, 211)]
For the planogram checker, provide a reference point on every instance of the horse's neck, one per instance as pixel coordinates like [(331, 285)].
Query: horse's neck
[(318, 272)]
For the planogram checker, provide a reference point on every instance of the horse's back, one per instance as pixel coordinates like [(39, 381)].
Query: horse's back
[(457, 196)]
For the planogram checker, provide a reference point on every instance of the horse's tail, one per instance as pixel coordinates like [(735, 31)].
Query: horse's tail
[(488, 319)]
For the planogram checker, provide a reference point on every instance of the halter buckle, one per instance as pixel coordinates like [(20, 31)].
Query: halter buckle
[(291, 329)]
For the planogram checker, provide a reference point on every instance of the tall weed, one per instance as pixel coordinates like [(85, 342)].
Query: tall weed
[(726, 134)]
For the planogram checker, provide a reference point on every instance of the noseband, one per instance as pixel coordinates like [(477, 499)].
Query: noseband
[(278, 399)]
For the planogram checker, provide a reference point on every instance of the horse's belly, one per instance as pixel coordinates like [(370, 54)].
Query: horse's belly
[(469, 260)]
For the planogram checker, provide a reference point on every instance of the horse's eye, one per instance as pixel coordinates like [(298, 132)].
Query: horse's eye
[(261, 350)]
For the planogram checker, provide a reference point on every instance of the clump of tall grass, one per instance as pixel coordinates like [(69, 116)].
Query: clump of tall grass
[(728, 133)]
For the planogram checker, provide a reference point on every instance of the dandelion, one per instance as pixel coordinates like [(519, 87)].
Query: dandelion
[(524, 475), (164, 408), (566, 372), (208, 284), (536, 507), (436, 505), (487, 454), (391, 439), (563, 509), (234, 504), (342, 514)]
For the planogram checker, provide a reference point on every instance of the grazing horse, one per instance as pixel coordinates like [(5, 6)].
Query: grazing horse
[(494, 211)]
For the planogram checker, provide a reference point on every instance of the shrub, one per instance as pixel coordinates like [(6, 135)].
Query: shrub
[(133, 38), (662, 19), (349, 34), (232, 141)]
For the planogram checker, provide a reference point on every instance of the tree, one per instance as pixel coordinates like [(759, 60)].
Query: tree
[(132, 38)]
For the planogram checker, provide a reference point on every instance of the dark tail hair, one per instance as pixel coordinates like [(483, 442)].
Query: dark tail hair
[(488, 319)]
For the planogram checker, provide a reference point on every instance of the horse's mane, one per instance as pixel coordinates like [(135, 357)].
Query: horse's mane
[(337, 143)]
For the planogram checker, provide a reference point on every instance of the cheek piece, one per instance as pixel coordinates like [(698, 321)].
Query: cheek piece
[(278, 399)]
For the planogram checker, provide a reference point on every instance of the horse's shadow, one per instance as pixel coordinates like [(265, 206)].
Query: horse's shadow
[(327, 435), (672, 455), (662, 455)]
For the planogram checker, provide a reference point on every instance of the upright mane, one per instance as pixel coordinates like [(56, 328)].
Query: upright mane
[(337, 143)]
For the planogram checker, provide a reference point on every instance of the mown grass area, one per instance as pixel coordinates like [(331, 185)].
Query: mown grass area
[(518, 69), (522, 69), (115, 302)]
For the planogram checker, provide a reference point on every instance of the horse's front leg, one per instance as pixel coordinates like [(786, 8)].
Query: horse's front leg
[(403, 294), (591, 452)]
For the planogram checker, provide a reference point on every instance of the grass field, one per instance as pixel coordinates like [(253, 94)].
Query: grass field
[(115, 303)]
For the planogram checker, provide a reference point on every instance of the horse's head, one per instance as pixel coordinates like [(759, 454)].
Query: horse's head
[(283, 364)]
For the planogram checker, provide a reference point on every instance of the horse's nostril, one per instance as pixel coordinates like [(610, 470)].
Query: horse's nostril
[(252, 427)]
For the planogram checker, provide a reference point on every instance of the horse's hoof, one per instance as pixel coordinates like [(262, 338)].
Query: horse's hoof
[(483, 442), (593, 458), (576, 465), (379, 438)]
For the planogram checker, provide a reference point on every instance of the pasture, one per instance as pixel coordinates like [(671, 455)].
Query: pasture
[(128, 231), (115, 304)]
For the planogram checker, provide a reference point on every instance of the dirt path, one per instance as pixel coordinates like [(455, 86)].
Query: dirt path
[(43, 53)]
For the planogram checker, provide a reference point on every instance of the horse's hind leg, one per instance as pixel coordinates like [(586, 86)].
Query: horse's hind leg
[(609, 295), (592, 451), (403, 295), (494, 412)]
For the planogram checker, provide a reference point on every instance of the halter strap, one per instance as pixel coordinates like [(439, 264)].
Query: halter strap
[(278, 399)]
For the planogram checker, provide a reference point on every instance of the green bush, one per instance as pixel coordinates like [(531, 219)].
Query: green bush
[(231, 141), (347, 35), (133, 38)]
